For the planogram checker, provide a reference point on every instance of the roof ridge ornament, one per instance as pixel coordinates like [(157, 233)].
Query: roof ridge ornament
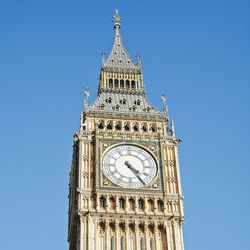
[(116, 20)]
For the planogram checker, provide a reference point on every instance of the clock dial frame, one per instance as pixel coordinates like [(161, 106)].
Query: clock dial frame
[(129, 166)]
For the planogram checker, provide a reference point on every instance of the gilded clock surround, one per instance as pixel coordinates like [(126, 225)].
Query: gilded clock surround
[(103, 215)]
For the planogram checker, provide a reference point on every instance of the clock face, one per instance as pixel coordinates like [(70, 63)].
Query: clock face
[(129, 166)]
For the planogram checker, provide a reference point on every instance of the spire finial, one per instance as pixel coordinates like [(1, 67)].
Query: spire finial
[(138, 59), (116, 20), (172, 126), (163, 98), (103, 55), (165, 107), (86, 93)]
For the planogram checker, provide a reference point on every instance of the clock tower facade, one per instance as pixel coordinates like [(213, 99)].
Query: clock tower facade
[(125, 185)]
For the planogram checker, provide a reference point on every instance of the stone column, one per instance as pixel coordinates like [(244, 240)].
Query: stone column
[(82, 233), (107, 203), (97, 202), (176, 235), (116, 235), (155, 205), (137, 239), (181, 237), (116, 203), (165, 206), (147, 242), (126, 204), (156, 237), (89, 165), (126, 235), (96, 231), (89, 233), (136, 205), (107, 245), (168, 235)]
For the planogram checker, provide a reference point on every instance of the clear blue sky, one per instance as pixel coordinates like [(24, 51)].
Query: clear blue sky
[(196, 51)]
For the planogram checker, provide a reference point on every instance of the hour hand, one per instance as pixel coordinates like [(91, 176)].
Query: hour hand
[(136, 172)]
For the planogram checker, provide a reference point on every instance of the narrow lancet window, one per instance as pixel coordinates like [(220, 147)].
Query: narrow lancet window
[(127, 84), (133, 84), (116, 83), (122, 83), (111, 83)]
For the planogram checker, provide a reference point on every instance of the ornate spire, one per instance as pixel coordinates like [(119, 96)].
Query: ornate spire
[(119, 57)]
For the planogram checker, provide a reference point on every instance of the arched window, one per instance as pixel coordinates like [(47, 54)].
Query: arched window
[(137, 102), (127, 84), (118, 127), (109, 126), (102, 202), (132, 84), (144, 128), (140, 204), (126, 127), (123, 101), (135, 128), (100, 126), (121, 203), (153, 129), (151, 205), (116, 83), (122, 83), (112, 203), (109, 100), (111, 83), (160, 205), (131, 204)]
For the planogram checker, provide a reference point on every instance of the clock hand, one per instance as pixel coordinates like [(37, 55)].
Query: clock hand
[(132, 168), (141, 180), (136, 172)]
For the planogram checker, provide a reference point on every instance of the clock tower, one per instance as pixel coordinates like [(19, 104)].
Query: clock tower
[(125, 185)]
